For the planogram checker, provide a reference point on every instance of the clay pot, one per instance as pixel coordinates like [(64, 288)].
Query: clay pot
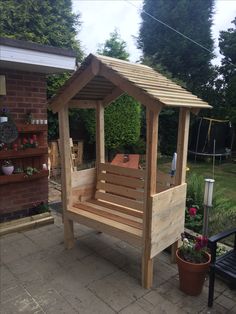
[(191, 275), (7, 170)]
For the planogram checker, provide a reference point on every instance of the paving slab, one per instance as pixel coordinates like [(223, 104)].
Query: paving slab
[(100, 275)]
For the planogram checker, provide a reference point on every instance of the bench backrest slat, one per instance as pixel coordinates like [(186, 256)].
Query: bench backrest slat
[(121, 186)]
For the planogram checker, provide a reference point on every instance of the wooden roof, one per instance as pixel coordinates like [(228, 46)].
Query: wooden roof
[(101, 78)]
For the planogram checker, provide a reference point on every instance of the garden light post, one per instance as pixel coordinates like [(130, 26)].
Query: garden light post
[(209, 183)]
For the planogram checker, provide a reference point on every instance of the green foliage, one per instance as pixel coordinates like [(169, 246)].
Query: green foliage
[(48, 22), (114, 47), (195, 193), (182, 58), (168, 128), (122, 117), (222, 214), (227, 43), (195, 190), (122, 123)]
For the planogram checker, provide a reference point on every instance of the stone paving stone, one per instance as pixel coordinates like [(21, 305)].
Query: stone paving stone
[(65, 257), (7, 279), (84, 301), (52, 302), (22, 304), (98, 242), (115, 257), (16, 249), (161, 304), (118, 290), (230, 293), (121, 281), (39, 276), (114, 297), (91, 268), (216, 309), (134, 308), (48, 237), (144, 304), (233, 310), (225, 302), (11, 293)]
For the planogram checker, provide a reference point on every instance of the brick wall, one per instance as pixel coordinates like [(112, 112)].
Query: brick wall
[(25, 92)]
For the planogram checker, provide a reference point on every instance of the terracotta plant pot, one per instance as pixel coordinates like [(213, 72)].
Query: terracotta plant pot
[(191, 275), (7, 170)]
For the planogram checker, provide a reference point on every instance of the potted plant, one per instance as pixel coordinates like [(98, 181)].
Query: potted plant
[(7, 167), (193, 262)]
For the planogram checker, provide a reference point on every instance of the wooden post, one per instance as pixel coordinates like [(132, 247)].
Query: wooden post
[(65, 174), (182, 153), (150, 189), (100, 146)]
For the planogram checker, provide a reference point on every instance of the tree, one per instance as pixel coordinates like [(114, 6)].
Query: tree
[(114, 47), (122, 117), (47, 22), (181, 57), (227, 43)]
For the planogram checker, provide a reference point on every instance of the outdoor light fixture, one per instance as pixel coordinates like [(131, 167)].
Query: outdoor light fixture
[(209, 184)]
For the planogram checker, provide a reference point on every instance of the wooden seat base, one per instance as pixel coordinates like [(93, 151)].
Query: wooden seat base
[(118, 221)]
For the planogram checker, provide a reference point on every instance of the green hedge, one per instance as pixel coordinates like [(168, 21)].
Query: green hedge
[(122, 123)]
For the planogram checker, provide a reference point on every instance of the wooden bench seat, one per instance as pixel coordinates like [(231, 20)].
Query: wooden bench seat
[(117, 204), (102, 218)]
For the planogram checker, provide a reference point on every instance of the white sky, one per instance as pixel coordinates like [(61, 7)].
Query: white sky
[(101, 17)]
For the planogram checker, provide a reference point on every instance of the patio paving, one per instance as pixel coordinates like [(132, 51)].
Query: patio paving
[(100, 275)]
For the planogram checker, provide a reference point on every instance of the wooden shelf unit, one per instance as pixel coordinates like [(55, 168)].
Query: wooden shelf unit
[(22, 177), (31, 128), (28, 152), (28, 157)]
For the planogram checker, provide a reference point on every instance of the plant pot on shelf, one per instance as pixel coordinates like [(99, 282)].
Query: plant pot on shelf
[(3, 119), (192, 275), (7, 170)]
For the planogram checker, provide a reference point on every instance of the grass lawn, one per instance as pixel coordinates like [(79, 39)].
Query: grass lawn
[(225, 175), (223, 213)]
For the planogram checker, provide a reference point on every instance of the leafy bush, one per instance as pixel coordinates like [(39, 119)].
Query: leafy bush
[(222, 215), (122, 123)]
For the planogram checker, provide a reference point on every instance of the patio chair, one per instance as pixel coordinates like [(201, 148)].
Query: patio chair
[(224, 266)]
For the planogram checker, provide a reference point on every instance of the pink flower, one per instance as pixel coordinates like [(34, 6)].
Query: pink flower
[(25, 141), (192, 211), (31, 141), (201, 242), (34, 137), (197, 246)]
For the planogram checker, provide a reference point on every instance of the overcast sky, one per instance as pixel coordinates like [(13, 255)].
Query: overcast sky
[(101, 17)]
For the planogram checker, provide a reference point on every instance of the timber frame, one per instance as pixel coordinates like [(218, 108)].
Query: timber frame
[(133, 205)]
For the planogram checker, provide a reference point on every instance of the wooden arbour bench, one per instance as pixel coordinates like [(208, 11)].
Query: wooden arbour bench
[(116, 207), (133, 205)]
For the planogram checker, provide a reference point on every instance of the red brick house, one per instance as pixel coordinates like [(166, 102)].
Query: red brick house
[(24, 67)]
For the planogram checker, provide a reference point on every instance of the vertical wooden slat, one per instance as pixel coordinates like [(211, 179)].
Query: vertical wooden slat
[(182, 145), (182, 153), (65, 174), (100, 146), (150, 189)]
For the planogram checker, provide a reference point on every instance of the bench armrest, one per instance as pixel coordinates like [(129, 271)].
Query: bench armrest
[(212, 242), (221, 235)]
